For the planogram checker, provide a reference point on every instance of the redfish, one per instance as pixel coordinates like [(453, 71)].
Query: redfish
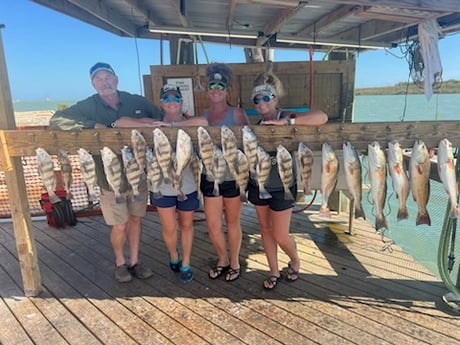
[(419, 172), (378, 181), (446, 171), (398, 177)]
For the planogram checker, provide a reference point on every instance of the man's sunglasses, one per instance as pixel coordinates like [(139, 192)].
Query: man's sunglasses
[(220, 86), (168, 99), (265, 98)]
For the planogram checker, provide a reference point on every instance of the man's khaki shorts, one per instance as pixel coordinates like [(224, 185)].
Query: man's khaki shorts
[(115, 214)]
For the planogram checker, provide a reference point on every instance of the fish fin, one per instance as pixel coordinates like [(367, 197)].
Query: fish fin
[(380, 222), (263, 194), (402, 214), (423, 219), (359, 213), (181, 196)]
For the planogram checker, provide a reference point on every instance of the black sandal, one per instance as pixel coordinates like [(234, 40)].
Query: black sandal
[(233, 274), (291, 275), (271, 282), (217, 271)]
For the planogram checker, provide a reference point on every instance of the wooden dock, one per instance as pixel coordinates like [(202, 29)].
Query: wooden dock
[(350, 291)]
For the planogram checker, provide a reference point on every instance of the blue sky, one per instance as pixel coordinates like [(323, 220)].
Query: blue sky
[(48, 55)]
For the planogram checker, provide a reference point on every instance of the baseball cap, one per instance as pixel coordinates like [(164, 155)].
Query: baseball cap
[(169, 88), (100, 66), (264, 89)]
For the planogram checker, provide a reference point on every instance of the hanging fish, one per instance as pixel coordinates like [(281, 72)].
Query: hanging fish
[(230, 149), (113, 172), (378, 181), (242, 169), (163, 150), (134, 174), (250, 149), (284, 160), (446, 172), (353, 177), (398, 177), (154, 176), (88, 172), (206, 152), (305, 159), (66, 171), (419, 173), (329, 173), (263, 167), (218, 171), (184, 151), (139, 146), (46, 171)]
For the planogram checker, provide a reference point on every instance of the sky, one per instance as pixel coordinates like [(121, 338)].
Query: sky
[(48, 55)]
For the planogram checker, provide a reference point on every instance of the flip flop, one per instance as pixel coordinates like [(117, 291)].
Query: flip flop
[(217, 271), (271, 282), (291, 274), (232, 274)]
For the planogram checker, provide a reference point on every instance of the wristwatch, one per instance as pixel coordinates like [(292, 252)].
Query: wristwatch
[(291, 120)]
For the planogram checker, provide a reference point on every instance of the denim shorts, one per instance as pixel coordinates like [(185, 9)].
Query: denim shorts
[(190, 204), (227, 189), (276, 202)]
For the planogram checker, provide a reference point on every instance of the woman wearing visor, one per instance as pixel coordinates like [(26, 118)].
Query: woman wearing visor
[(228, 202), (274, 213)]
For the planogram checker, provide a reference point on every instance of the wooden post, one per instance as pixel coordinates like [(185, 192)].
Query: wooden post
[(15, 182)]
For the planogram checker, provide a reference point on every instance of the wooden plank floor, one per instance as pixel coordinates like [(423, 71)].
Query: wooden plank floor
[(350, 291)]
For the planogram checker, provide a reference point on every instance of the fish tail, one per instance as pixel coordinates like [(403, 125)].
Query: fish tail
[(359, 212), (423, 219), (243, 196), (167, 180), (156, 194), (380, 222), (402, 213), (324, 211), (263, 194), (54, 199), (215, 192), (288, 195)]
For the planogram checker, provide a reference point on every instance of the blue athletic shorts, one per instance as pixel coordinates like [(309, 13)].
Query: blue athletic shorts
[(190, 204), (227, 189), (276, 202)]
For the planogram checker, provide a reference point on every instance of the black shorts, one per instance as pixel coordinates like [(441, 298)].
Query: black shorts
[(227, 189), (276, 202)]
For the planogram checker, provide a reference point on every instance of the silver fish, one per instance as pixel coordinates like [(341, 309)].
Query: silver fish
[(139, 146), (154, 176), (263, 167), (66, 171), (184, 151), (163, 153), (353, 177), (250, 149), (419, 173), (218, 169), (88, 172), (305, 159), (230, 149), (113, 172), (195, 164), (284, 160), (242, 179), (206, 152), (46, 171), (378, 182), (329, 173), (446, 172), (398, 177), (134, 173)]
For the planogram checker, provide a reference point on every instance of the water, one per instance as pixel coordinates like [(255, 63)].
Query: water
[(419, 241)]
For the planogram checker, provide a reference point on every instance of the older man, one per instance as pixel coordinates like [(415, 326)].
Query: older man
[(110, 107)]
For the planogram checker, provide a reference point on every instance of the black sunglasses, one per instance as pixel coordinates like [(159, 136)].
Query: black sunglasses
[(220, 86), (265, 98)]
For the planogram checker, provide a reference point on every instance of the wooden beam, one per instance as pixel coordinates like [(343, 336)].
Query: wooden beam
[(15, 182), (24, 142)]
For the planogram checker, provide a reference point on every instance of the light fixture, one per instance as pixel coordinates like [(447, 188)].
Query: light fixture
[(366, 45), (192, 31)]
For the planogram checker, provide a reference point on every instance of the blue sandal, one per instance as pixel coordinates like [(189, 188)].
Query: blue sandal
[(175, 265), (186, 274)]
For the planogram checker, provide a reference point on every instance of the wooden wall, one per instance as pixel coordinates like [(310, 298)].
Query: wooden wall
[(333, 85)]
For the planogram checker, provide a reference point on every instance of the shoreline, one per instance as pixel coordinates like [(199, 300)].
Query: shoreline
[(33, 118)]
